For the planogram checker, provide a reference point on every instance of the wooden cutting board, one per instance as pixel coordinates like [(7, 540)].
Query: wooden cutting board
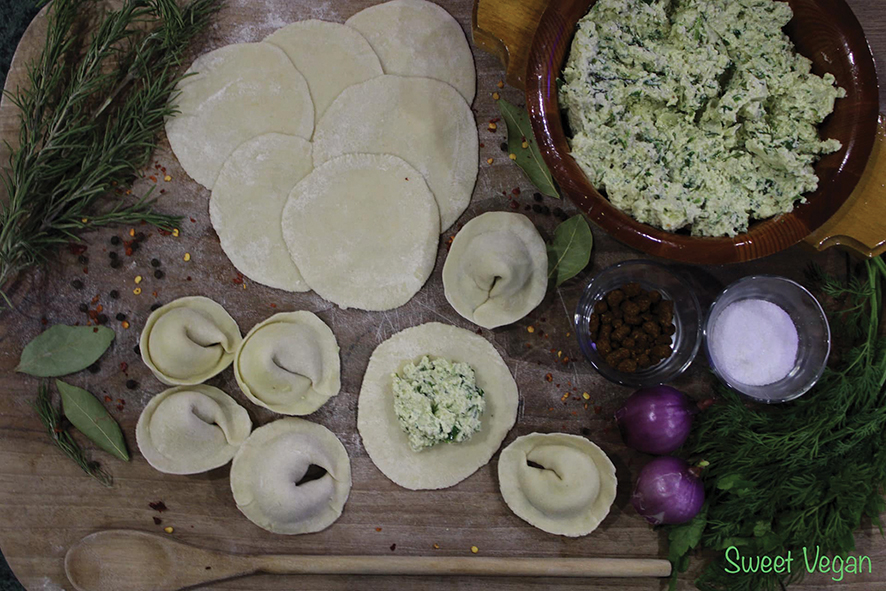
[(47, 504)]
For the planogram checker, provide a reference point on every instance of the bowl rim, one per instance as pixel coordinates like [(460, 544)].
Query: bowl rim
[(731, 384), (616, 376), (547, 55)]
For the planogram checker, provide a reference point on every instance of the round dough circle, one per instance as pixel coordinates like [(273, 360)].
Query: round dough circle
[(289, 363), (570, 496), (363, 230), (423, 121), (247, 202), (418, 38), (330, 56), (191, 429), (188, 341), (442, 465), (496, 271), (236, 93), (273, 459)]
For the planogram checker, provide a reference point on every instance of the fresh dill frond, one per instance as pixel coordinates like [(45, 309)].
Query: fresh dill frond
[(51, 418), (89, 118)]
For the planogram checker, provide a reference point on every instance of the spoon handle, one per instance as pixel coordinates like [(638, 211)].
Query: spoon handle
[(463, 565)]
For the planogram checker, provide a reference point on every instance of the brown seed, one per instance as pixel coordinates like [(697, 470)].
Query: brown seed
[(654, 296), (663, 340), (643, 303), (628, 343), (632, 290), (615, 297), (662, 351), (601, 307), (604, 347), (630, 308), (621, 332), (627, 366), (633, 320), (651, 328), (594, 323)]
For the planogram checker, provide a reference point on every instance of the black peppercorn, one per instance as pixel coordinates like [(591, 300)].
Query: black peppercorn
[(114, 294), (115, 240), (546, 210), (94, 368), (158, 274), (112, 255), (536, 208), (120, 316), (155, 262), (156, 305), (137, 350), (83, 259), (140, 236), (560, 214), (536, 196), (134, 246), (115, 264), (77, 284), (102, 319), (83, 308), (131, 384)]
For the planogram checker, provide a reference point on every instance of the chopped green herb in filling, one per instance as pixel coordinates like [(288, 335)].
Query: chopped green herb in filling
[(695, 113), (437, 401)]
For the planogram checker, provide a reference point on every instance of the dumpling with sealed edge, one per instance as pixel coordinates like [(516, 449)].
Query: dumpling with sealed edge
[(289, 363), (496, 269), (268, 477), (191, 429), (188, 341), (562, 484)]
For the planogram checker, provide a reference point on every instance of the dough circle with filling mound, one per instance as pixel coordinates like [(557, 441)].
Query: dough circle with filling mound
[(444, 464), (418, 38), (247, 202), (191, 429), (363, 230), (496, 271), (188, 341), (423, 121), (330, 56), (267, 474), (236, 92), (572, 491), (289, 363)]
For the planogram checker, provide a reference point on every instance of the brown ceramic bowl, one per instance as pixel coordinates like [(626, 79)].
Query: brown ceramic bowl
[(825, 31)]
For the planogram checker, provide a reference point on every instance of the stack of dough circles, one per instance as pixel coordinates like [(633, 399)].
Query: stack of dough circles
[(191, 429), (363, 230), (444, 464), (330, 56), (419, 38), (423, 121), (289, 363), (268, 469), (569, 494), (188, 341), (236, 93), (496, 271), (247, 203)]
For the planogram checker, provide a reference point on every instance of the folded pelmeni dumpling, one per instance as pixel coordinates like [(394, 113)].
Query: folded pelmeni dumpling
[(188, 341), (289, 363), (496, 271), (562, 484), (291, 477), (191, 429)]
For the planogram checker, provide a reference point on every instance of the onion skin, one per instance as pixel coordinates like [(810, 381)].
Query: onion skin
[(667, 492), (656, 420)]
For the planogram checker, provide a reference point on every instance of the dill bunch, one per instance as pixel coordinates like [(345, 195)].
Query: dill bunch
[(90, 113), (802, 474)]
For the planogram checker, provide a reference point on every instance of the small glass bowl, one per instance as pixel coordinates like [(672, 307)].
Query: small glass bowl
[(813, 332), (687, 320)]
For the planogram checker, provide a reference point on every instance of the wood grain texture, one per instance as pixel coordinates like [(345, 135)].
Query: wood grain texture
[(47, 503)]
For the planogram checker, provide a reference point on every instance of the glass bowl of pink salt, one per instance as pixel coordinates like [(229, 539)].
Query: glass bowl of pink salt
[(768, 338)]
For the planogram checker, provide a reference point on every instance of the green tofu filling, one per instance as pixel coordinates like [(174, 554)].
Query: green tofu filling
[(437, 401), (695, 114)]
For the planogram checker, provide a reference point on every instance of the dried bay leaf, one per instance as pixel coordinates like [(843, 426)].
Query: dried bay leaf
[(89, 416), (61, 350), (570, 250), (529, 158)]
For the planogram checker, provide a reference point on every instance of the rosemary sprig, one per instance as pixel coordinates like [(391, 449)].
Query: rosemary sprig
[(51, 418), (798, 475), (90, 114)]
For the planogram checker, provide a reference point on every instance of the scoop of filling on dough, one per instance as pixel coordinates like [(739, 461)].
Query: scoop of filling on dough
[(437, 400)]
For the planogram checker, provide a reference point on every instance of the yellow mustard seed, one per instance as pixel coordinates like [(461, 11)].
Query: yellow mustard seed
[(138, 279), (175, 232), (512, 156), (167, 178), (436, 546), (489, 161), (168, 529), (525, 145), (124, 324), (132, 231), (85, 220), (474, 549), (493, 127), (530, 329), (495, 96), (500, 84), (137, 290), (187, 257), (586, 396)]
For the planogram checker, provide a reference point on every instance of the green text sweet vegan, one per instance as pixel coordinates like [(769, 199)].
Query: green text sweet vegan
[(813, 560)]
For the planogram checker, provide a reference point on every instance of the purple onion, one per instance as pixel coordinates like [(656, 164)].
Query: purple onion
[(656, 420), (667, 492)]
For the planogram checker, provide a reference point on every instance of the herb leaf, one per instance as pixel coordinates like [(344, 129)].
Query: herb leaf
[(570, 250), (64, 349), (89, 416), (528, 158)]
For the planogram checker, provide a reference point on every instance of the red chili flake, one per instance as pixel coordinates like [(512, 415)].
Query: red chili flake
[(482, 145), (76, 249), (95, 299), (514, 205), (479, 331), (159, 506), (99, 308), (575, 412), (162, 191), (273, 305), (95, 329), (162, 169), (598, 410), (238, 280), (549, 377), (393, 547), (193, 221), (164, 232), (124, 366), (188, 278), (705, 404), (558, 385), (158, 521), (108, 398), (496, 120), (516, 190), (128, 251), (378, 529), (121, 401), (157, 166), (119, 407), (44, 321), (153, 178), (86, 270), (528, 346), (154, 293)]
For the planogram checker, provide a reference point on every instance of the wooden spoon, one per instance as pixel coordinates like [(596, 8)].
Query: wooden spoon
[(129, 560)]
